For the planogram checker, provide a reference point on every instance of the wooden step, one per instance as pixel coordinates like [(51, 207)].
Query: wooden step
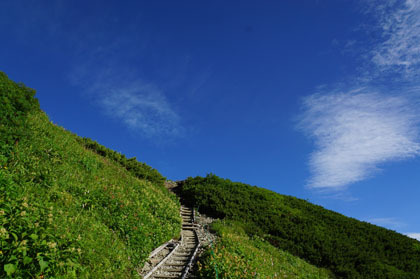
[(181, 254), (180, 257), (174, 269), (173, 264)]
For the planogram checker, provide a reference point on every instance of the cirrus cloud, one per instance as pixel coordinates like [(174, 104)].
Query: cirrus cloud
[(142, 107), (358, 130), (355, 132), (123, 95), (399, 26)]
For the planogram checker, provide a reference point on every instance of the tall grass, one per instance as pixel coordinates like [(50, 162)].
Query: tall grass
[(236, 255), (67, 212)]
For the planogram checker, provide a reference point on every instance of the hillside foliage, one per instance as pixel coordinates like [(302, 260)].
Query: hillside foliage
[(16, 101), (65, 211), (238, 256), (346, 246), (138, 169)]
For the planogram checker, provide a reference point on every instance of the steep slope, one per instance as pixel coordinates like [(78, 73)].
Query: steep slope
[(238, 256), (346, 246), (66, 211)]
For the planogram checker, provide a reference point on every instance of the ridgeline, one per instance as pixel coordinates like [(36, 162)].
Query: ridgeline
[(346, 246)]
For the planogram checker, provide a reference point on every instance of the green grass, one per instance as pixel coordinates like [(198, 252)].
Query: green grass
[(236, 256), (137, 169), (67, 212)]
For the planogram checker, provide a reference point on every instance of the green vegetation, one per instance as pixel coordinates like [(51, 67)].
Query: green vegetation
[(16, 101), (347, 247), (138, 169), (72, 208), (65, 211), (238, 256)]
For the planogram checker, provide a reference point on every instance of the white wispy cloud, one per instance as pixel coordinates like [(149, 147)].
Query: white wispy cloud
[(355, 132), (358, 130), (139, 105), (414, 235), (399, 27), (122, 94), (142, 107)]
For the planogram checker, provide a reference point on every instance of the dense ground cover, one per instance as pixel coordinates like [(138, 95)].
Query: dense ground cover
[(237, 256), (138, 169), (346, 246), (65, 211)]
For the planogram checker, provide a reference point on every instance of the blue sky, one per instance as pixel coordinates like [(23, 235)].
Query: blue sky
[(315, 99)]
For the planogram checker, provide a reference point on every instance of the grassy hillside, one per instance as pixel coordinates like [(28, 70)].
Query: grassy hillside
[(66, 211), (347, 247), (139, 170), (238, 256)]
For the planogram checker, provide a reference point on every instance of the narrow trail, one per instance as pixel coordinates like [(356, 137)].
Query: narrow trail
[(174, 260)]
